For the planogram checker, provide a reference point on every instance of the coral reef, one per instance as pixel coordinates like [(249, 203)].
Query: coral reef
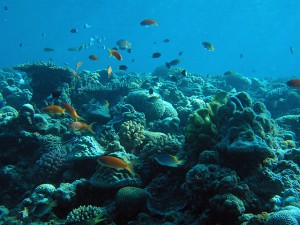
[(106, 177), (241, 166), (238, 81), (84, 213), (288, 216), (152, 106), (248, 133), (131, 135), (130, 201), (45, 78), (86, 148)]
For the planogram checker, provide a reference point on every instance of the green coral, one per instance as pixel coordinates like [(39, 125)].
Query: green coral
[(84, 213), (202, 124)]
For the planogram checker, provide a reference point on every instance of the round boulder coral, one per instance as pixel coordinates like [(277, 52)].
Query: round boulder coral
[(131, 200), (152, 106)]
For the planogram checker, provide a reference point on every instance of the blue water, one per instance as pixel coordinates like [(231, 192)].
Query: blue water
[(263, 31)]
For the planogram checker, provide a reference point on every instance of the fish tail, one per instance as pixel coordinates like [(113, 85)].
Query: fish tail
[(181, 162), (110, 54), (79, 118), (130, 168), (98, 218), (53, 204), (90, 127)]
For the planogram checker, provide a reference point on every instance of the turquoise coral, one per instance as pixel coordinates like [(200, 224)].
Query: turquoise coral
[(288, 216)]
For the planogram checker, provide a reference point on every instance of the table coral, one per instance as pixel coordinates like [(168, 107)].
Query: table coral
[(52, 76), (238, 81)]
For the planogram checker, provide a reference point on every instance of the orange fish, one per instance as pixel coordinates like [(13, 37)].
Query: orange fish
[(116, 163), (75, 74), (93, 57), (71, 111), (115, 54), (109, 71), (54, 109), (294, 83), (78, 64), (149, 22), (81, 126)]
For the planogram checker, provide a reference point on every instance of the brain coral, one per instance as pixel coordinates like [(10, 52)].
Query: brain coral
[(50, 165), (131, 200), (289, 216), (131, 134)]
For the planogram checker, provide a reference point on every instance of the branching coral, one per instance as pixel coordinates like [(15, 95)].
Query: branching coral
[(84, 213)]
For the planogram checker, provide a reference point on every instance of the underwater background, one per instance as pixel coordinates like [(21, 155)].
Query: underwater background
[(263, 31), (149, 112)]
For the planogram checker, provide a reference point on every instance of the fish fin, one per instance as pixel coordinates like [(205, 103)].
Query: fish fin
[(129, 168), (156, 24), (110, 54), (179, 162), (64, 111), (98, 218), (52, 203), (90, 127), (79, 118)]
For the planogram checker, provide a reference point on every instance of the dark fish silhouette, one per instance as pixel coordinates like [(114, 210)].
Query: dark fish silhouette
[(74, 30), (184, 73), (208, 46), (123, 67), (156, 55), (151, 91), (48, 49)]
